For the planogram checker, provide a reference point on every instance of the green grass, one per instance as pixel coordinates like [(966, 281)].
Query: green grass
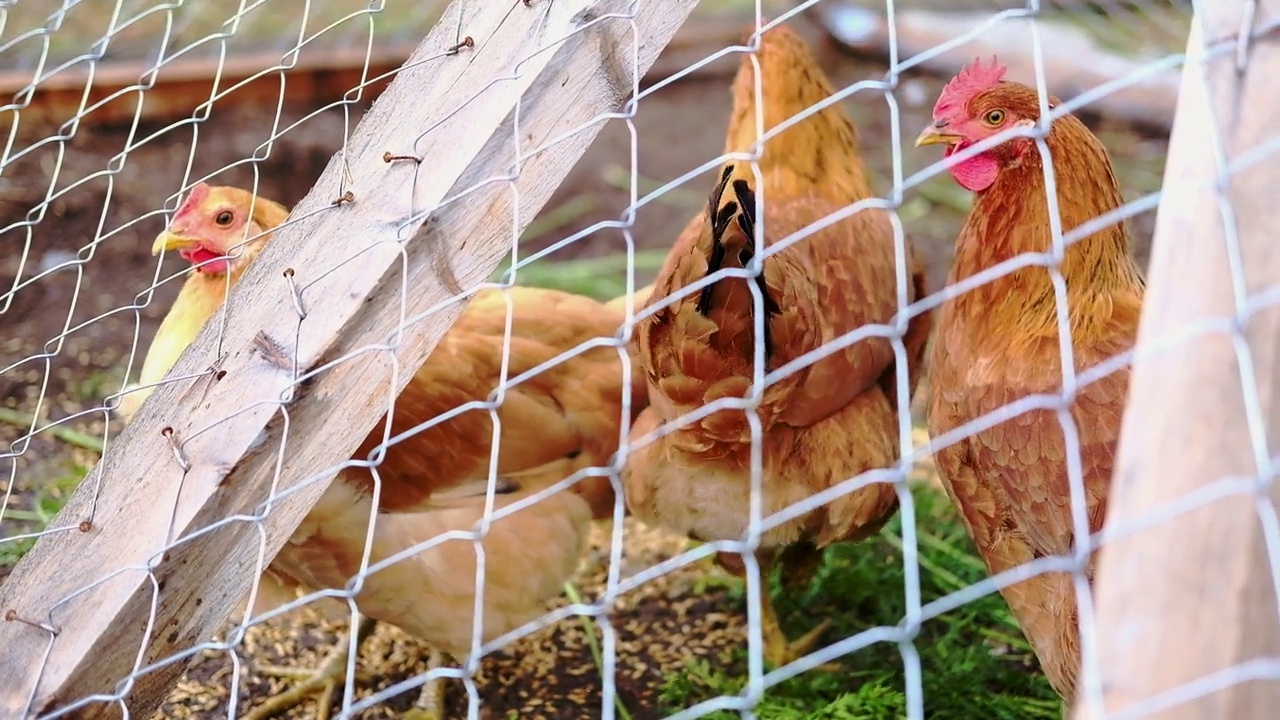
[(1131, 30), (602, 278), (975, 663), (593, 643), (48, 500), (95, 385)]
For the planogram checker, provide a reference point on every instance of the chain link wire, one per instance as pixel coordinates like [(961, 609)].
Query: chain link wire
[(88, 37)]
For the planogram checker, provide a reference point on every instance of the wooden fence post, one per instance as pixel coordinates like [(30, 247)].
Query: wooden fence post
[(1186, 603), (121, 594)]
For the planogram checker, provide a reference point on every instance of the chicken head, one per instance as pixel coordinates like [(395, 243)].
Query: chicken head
[(217, 229), (974, 107)]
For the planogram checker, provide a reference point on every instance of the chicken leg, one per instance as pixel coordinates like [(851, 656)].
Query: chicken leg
[(798, 564), (780, 650), (430, 704), (325, 678)]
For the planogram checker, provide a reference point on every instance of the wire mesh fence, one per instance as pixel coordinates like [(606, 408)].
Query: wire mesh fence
[(418, 441)]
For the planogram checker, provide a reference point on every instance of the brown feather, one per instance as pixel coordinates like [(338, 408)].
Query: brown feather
[(569, 409), (528, 556), (822, 424), (999, 344)]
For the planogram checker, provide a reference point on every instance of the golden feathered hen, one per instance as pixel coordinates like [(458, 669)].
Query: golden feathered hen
[(999, 343), (219, 230), (827, 421), (563, 419)]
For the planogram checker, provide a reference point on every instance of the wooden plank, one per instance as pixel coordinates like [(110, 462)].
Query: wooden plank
[(320, 75), (347, 261), (1193, 596)]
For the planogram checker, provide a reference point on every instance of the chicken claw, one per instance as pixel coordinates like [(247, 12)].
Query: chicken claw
[(325, 678), (779, 650)]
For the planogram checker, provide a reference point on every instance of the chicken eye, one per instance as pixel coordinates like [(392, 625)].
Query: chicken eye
[(995, 117), (224, 218)]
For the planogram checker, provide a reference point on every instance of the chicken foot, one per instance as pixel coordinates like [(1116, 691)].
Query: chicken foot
[(798, 563), (430, 704), (780, 650), (324, 678)]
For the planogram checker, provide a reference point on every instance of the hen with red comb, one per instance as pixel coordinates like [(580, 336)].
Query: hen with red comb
[(998, 344), (219, 229)]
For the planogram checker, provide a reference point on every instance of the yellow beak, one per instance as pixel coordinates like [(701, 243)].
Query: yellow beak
[(934, 135), (169, 241)]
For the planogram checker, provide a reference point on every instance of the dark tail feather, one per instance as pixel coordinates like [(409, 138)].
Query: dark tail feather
[(747, 224), (720, 218), (744, 211)]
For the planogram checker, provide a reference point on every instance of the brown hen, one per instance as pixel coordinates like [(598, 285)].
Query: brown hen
[(561, 420), (999, 343), (827, 421)]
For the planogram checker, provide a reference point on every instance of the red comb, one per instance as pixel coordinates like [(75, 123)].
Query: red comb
[(194, 198), (971, 80)]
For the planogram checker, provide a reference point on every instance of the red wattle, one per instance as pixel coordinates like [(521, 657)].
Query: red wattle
[(975, 174), (201, 256)]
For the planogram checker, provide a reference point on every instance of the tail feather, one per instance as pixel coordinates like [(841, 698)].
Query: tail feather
[(747, 224), (818, 153), (741, 209), (719, 218)]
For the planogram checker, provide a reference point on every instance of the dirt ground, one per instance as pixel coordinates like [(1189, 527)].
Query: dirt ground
[(67, 337), (550, 673)]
